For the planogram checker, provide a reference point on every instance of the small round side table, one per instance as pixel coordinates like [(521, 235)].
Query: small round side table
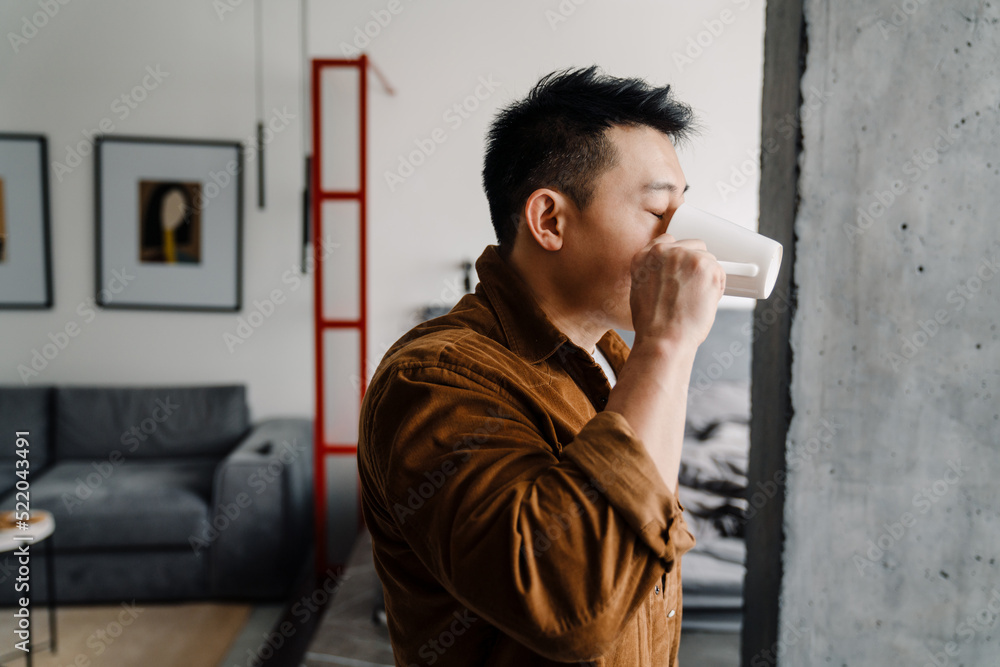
[(41, 526)]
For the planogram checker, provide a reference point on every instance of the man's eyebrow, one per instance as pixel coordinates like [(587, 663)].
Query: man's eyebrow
[(664, 185)]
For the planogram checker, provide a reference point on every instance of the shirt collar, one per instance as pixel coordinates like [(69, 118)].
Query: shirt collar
[(528, 330)]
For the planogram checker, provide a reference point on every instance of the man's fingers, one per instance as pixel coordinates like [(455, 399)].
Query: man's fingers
[(667, 238), (651, 260), (692, 244)]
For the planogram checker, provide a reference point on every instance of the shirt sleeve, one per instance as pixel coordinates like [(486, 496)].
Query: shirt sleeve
[(555, 551)]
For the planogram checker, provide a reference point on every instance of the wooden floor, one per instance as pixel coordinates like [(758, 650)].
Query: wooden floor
[(144, 635)]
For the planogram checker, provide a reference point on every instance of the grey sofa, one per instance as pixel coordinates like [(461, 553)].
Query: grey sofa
[(159, 493)]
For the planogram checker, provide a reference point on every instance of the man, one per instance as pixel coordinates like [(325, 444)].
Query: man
[(522, 501)]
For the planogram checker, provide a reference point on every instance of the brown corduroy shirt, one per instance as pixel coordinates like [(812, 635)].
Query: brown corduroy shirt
[(514, 521)]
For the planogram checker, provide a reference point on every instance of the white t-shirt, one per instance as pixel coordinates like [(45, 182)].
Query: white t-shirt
[(605, 365)]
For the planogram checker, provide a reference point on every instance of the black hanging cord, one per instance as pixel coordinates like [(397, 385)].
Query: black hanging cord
[(259, 97)]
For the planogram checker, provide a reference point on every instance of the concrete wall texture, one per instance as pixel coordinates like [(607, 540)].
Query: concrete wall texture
[(892, 522)]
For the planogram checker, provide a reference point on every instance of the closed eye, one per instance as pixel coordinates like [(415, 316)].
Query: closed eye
[(659, 215)]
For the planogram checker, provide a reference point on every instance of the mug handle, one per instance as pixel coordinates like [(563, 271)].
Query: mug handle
[(740, 269)]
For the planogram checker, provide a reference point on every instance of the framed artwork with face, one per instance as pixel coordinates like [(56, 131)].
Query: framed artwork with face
[(25, 242), (169, 223)]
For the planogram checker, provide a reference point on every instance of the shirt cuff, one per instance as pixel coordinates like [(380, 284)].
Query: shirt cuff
[(609, 451)]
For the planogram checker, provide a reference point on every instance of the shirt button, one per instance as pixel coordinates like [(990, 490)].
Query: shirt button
[(671, 614), (656, 589)]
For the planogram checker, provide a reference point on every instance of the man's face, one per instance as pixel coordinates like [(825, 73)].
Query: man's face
[(632, 203)]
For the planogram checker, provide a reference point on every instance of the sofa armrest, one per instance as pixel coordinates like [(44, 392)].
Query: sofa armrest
[(262, 510)]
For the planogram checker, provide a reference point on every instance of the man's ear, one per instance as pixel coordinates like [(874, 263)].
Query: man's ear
[(545, 214)]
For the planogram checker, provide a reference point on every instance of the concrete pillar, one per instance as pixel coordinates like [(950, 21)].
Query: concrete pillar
[(892, 506)]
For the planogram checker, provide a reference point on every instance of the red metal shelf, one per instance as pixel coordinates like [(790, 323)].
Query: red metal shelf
[(321, 450)]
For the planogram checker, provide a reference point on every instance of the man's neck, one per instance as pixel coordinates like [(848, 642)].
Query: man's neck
[(572, 322)]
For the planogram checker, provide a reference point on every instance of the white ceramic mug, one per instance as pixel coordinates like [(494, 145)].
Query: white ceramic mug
[(751, 261)]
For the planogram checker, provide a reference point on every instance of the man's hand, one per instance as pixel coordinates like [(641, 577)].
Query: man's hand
[(676, 287)]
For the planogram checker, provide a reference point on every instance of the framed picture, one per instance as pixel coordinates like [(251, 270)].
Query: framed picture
[(169, 223), (25, 244)]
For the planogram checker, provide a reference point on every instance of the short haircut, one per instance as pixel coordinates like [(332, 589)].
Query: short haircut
[(556, 137)]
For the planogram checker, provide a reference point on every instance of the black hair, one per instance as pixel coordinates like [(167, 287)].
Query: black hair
[(556, 138)]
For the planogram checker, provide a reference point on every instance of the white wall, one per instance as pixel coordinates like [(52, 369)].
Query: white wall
[(63, 82), (434, 54), (65, 78)]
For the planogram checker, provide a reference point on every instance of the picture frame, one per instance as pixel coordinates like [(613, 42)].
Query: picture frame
[(25, 233), (169, 223)]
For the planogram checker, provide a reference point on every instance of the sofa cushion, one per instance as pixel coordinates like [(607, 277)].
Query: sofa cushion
[(24, 409), (110, 504), (149, 422)]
